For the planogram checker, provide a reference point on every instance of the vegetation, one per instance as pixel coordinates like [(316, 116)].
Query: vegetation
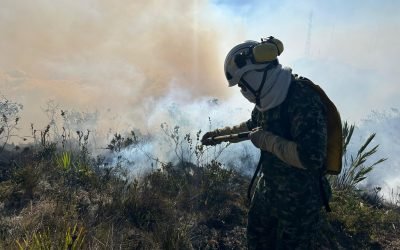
[(8, 121), (355, 168), (58, 197)]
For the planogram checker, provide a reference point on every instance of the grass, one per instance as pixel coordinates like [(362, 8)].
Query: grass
[(359, 224), (45, 197), (53, 197), (175, 207)]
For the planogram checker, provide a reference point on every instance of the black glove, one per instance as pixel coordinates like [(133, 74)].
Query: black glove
[(207, 138)]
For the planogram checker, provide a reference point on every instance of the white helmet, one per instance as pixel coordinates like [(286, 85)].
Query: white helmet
[(250, 55)]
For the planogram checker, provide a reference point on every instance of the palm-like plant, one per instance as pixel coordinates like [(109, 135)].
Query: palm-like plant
[(355, 168)]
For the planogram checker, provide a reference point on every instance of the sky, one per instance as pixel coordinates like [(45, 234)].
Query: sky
[(120, 65), (350, 48)]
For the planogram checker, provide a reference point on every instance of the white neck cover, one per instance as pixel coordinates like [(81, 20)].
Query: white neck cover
[(275, 87)]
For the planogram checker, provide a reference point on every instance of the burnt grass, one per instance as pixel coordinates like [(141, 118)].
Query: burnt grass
[(48, 203)]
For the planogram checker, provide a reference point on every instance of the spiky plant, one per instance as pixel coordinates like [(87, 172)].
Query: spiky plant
[(64, 161), (35, 241), (356, 167), (73, 240)]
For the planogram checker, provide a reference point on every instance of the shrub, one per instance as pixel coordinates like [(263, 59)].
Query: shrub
[(8, 121)]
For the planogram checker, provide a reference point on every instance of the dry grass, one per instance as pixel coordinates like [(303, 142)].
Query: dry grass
[(42, 200)]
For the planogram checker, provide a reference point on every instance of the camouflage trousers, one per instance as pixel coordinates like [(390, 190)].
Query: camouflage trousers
[(271, 227)]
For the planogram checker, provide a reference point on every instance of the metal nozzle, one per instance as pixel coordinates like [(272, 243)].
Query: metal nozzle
[(230, 137)]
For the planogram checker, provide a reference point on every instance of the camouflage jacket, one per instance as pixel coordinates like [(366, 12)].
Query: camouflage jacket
[(300, 118)]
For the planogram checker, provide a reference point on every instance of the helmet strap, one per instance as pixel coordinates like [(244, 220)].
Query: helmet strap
[(257, 93)]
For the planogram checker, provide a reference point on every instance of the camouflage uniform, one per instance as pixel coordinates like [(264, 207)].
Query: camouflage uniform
[(286, 208)]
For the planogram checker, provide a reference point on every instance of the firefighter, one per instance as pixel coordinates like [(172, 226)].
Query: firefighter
[(288, 124)]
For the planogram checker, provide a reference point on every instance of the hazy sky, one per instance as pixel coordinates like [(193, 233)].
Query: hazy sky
[(121, 57), (350, 48)]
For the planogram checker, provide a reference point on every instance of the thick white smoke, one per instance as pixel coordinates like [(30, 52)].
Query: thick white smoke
[(195, 118), (244, 156), (115, 57)]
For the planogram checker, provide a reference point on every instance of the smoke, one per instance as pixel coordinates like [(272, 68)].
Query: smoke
[(169, 142), (102, 55), (113, 67), (244, 156), (136, 64)]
